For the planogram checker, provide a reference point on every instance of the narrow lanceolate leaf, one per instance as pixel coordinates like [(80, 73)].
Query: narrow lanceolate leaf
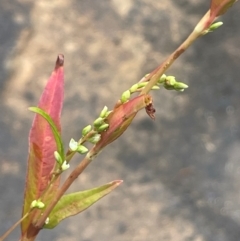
[(120, 118), (74, 203), (42, 144), (219, 7), (54, 128)]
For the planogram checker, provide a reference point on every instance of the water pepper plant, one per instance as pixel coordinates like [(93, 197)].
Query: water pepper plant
[(45, 202)]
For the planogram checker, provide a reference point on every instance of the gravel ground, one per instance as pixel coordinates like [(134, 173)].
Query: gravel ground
[(181, 172)]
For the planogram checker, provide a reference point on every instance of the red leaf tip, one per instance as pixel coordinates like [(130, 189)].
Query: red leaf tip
[(60, 61)]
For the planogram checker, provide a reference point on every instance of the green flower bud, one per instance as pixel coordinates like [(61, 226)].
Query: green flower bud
[(86, 130), (179, 86), (40, 205), (98, 122), (215, 26), (65, 166), (107, 114), (58, 158), (142, 84), (168, 87), (82, 149), (95, 139), (104, 112), (162, 79), (125, 96), (33, 204), (170, 80), (37, 204), (73, 145), (155, 87), (103, 127), (133, 88)]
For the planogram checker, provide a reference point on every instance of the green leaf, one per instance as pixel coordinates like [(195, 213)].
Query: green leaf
[(54, 129), (74, 203)]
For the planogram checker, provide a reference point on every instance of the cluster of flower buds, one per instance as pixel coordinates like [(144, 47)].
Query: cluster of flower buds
[(100, 125), (170, 83), (62, 163), (76, 147), (90, 135), (93, 134), (135, 88)]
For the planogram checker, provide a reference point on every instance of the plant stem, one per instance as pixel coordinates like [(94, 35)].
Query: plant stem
[(13, 227), (153, 77), (75, 173)]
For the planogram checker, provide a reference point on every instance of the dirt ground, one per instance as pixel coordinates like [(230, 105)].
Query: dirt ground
[(182, 172)]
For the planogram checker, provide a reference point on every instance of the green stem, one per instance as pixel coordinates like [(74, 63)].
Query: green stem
[(75, 173)]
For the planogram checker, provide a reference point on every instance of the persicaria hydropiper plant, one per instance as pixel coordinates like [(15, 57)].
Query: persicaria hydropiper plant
[(45, 202)]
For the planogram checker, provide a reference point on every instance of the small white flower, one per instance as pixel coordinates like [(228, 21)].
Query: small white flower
[(65, 165), (73, 145)]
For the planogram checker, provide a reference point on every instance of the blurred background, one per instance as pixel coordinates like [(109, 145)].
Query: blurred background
[(182, 172)]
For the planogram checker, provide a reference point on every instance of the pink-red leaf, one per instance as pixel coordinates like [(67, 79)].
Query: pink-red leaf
[(42, 145), (121, 117), (219, 7)]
